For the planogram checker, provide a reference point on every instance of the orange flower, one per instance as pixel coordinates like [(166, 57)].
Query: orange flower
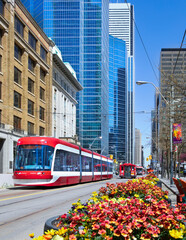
[(47, 237), (72, 237)]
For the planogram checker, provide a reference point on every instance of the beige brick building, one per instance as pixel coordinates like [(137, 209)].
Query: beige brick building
[(25, 80)]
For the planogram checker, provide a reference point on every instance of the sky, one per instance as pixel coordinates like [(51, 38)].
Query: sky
[(161, 24)]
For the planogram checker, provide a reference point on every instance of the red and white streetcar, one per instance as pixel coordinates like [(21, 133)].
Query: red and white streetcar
[(46, 161)]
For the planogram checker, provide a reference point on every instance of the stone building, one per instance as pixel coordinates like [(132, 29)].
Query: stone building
[(25, 80), (65, 87)]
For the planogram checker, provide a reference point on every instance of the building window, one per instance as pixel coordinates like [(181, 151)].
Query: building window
[(17, 99), (0, 63), (17, 75), (17, 52), (30, 107), (1, 36), (30, 128), (2, 4), (0, 90), (54, 131), (43, 53), (17, 123), (30, 85), (19, 26), (32, 41), (31, 64), (42, 94), (55, 76), (55, 95), (42, 113), (42, 74), (41, 131)]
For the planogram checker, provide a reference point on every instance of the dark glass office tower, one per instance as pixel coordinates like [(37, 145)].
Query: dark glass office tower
[(80, 29), (118, 98)]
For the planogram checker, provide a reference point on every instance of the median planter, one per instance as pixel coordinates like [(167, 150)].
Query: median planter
[(51, 223), (137, 209)]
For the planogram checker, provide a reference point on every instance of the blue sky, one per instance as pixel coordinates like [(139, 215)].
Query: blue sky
[(161, 24)]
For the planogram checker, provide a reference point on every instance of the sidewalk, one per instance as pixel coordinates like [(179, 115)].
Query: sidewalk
[(6, 181), (172, 189)]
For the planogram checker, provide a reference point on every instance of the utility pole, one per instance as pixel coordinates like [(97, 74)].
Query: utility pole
[(171, 123)]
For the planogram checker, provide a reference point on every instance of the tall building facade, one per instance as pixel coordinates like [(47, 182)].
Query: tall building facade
[(173, 88), (80, 28), (25, 80), (121, 25), (138, 160), (117, 98)]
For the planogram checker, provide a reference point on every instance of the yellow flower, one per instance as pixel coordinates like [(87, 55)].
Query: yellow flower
[(182, 226), (136, 195), (62, 231), (176, 233), (31, 235), (51, 232)]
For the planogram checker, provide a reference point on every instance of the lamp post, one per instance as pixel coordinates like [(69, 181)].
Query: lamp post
[(168, 104), (90, 145)]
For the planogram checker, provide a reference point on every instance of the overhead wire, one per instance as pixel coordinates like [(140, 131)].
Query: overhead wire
[(143, 44)]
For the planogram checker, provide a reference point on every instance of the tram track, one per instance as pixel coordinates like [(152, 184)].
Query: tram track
[(11, 196), (39, 211)]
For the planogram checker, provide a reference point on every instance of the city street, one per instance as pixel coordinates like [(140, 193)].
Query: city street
[(25, 210)]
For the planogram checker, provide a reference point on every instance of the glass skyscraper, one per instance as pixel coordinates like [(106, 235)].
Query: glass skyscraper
[(121, 25), (117, 98), (80, 29)]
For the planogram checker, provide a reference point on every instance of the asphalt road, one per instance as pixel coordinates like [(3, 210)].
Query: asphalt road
[(25, 210)]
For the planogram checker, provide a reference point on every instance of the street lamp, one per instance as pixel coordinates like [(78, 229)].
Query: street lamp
[(90, 145), (142, 82), (167, 103)]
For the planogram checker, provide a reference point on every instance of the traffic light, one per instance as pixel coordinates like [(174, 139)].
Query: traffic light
[(147, 159), (111, 156), (150, 157)]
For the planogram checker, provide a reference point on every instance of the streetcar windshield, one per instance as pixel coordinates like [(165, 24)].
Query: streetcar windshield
[(34, 157)]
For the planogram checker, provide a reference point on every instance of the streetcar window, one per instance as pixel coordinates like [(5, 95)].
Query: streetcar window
[(33, 157), (110, 166), (86, 164), (66, 161), (97, 165)]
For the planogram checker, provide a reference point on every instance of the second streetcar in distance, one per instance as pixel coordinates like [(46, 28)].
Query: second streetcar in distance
[(127, 170)]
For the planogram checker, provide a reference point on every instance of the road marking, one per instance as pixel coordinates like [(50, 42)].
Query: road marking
[(31, 194)]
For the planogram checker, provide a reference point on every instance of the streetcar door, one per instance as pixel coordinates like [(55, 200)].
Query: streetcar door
[(127, 171)]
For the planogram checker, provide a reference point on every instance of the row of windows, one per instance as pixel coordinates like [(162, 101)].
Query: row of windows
[(30, 127), (18, 103), (19, 27), (18, 80), (64, 84), (31, 63), (66, 161)]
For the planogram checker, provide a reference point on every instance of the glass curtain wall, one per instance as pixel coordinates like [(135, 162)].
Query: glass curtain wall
[(117, 99), (80, 29)]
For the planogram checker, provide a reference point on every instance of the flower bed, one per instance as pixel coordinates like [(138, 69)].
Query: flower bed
[(137, 209)]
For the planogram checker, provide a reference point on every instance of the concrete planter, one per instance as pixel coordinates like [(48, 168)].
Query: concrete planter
[(51, 224), (159, 184)]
